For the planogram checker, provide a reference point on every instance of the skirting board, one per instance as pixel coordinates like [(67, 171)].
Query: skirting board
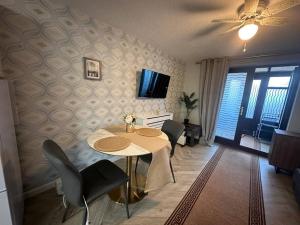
[(40, 189)]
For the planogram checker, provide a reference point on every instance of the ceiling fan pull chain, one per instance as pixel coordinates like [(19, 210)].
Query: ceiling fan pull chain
[(245, 46)]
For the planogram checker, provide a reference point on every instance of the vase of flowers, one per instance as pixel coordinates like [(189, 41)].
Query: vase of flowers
[(129, 120)]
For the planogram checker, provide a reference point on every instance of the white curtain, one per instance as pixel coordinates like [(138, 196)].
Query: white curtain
[(212, 80)]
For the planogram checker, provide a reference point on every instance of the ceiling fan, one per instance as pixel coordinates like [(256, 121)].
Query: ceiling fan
[(255, 13)]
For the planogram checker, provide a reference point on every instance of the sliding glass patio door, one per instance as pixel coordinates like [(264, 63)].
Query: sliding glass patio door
[(255, 102)]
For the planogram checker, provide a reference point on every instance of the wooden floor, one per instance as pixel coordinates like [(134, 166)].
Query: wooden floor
[(253, 143), (280, 205)]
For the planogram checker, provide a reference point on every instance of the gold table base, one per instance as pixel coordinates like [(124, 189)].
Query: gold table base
[(135, 193), (135, 186)]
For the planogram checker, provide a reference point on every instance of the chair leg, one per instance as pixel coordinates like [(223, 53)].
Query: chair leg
[(65, 213), (136, 164), (66, 205), (86, 215), (85, 220), (172, 171), (126, 199)]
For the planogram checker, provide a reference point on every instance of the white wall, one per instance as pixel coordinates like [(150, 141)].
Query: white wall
[(191, 84)]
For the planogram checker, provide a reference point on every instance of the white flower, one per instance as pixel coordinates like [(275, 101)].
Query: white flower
[(128, 119)]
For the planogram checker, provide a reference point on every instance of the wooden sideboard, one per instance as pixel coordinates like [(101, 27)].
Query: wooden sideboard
[(285, 150)]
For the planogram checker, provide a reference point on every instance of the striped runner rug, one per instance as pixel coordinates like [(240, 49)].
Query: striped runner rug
[(228, 191)]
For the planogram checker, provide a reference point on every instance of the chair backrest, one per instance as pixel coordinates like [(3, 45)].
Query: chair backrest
[(173, 130), (70, 176), (271, 118)]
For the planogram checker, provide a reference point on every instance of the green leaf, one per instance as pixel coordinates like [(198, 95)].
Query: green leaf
[(189, 102), (194, 101)]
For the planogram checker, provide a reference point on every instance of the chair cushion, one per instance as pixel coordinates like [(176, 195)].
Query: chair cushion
[(100, 178), (296, 184)]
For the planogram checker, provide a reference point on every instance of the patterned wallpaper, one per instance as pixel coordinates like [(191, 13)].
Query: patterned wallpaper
[(42, 45)]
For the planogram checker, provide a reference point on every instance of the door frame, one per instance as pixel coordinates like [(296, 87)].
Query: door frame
[(235, 70), (264, 77), (245, 99), (292, 90), (291, 98), (244, 103)]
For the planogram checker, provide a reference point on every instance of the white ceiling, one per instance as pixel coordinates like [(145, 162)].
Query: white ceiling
[(183, 28)]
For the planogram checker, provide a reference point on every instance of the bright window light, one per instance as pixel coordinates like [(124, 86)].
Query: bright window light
[(279, 82)]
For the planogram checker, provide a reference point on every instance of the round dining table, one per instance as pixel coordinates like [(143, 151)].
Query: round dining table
[(159, 172)]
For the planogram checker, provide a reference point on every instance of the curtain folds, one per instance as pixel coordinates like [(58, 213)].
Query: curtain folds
[(212, 79)]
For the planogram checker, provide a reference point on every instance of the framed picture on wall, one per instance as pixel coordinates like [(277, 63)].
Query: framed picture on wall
[(92, 69)]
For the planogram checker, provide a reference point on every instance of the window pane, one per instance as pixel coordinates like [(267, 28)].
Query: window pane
[(274, 104), (261, 70), (253, 99), (279, 82), (283, 68), (230, 105)]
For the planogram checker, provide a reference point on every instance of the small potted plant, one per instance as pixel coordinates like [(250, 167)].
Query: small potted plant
[(189, 103), (129, 120)]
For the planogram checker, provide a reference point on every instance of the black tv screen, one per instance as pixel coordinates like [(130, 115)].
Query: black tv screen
[(153, 84)]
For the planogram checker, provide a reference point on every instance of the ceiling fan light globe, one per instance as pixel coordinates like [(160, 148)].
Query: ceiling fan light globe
[(248, 31)]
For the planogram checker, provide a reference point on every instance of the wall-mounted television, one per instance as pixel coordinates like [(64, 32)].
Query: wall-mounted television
[(153, 84)]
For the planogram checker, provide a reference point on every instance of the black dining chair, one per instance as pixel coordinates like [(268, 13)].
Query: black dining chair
[(173, 130), (80, 188)]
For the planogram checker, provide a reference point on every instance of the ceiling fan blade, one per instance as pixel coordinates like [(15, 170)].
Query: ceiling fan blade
[(227, 21), (273, 21), (279, 7), (234, 28), (250, 6), (208, 30)]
